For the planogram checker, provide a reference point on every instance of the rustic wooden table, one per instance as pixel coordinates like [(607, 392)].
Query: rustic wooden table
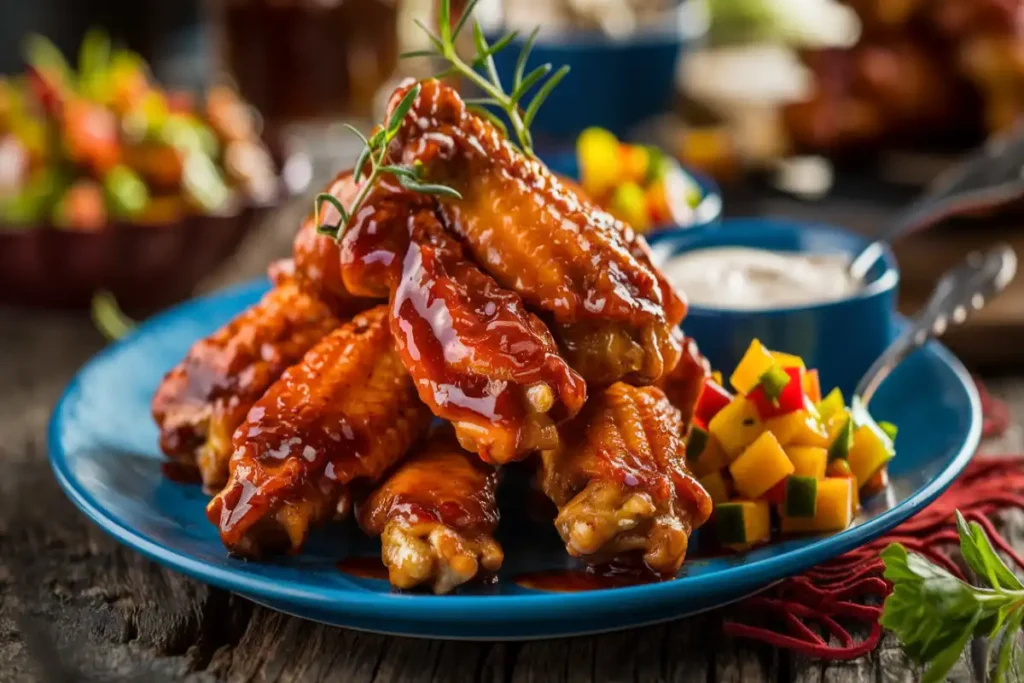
[(76, 606)]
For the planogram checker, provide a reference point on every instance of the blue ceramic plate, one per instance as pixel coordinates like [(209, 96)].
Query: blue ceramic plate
[(103, 450)]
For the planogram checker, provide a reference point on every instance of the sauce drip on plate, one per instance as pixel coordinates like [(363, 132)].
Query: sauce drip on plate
[(364, 567), (576, 580)]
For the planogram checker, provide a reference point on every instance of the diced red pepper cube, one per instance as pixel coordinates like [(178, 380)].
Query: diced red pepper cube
[(713, 397), (776, 495), (791, 398)]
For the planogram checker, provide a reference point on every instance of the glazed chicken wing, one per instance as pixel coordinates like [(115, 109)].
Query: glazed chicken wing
[(436, 514), (347, 412), (620, 482), (316, 257), (590, 274), (478, 357), (684, 383), (202, 400)]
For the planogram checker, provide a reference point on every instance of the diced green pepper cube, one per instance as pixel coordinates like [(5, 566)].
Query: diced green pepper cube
[(773, 381), (890, 429)]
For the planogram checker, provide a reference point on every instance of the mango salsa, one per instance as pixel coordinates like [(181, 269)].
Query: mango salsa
[(717, 487), (761, 466), (808, 461), (798, 428), (736, 426), (712, 459), (788, 360), (742, 523), (833, 508), (871, 450), (755, 362)]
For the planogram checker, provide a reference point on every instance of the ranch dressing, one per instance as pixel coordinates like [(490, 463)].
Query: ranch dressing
[(741, 278)]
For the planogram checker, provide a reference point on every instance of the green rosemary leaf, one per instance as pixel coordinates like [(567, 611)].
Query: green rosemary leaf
[(524, 55), (332, 231), (530, 80), (470, 6), (399, 171), (413, 54), (503, 42), (434, 40), (332, 200), (395, 122), (108, 317), (542, 95), (483, 51), (489, 115), (444, 20), (427, 188), (357, 133), (364, 156)]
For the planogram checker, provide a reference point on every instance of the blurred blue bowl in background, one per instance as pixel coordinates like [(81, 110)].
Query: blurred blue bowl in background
[(707, 212), (614, 83), (840, 338)]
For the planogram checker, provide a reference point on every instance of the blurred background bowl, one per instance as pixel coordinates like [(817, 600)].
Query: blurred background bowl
[(146, 267), (707, 212), (840, 338)]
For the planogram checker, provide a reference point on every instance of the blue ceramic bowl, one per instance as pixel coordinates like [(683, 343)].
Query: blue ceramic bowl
[(709, 210), (840, 338), (612, 83)]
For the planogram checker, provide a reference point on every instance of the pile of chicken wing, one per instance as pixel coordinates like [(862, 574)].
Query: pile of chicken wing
[(392, 373)]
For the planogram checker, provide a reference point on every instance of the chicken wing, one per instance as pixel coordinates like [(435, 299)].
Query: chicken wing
[(205, 397), (317, 262), (684, 383), (620, 482), (478, 357), (436, 514), (348, 411), (612, 312)]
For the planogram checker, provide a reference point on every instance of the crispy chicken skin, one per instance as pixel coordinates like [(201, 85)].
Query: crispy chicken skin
[(478, 357), (206, 396), (436, 514), (620, 482), (588, 273), (347, 412), (684, 383)]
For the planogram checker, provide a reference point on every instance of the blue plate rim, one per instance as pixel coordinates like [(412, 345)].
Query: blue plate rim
[(493, 607)]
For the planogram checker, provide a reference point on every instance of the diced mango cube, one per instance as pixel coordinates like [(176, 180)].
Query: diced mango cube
[(871, 450), (742, 523), (754, 363), (812, 386), (788, 360), (834, 508), (736, 425), (712, 459), (716, 486), (798, 428), (808, 461), (760, 467)]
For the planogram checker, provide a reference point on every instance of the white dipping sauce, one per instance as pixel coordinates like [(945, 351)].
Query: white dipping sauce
[(742, 278)]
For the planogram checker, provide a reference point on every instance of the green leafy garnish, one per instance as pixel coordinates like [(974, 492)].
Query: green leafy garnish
[(935, 615), (374, 150), (482, 72)]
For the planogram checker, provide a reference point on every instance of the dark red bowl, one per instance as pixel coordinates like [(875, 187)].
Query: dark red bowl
[(147, 267)]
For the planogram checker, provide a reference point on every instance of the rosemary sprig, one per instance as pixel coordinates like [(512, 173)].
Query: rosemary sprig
[(443, 46), (935, 615), (374, 151)]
